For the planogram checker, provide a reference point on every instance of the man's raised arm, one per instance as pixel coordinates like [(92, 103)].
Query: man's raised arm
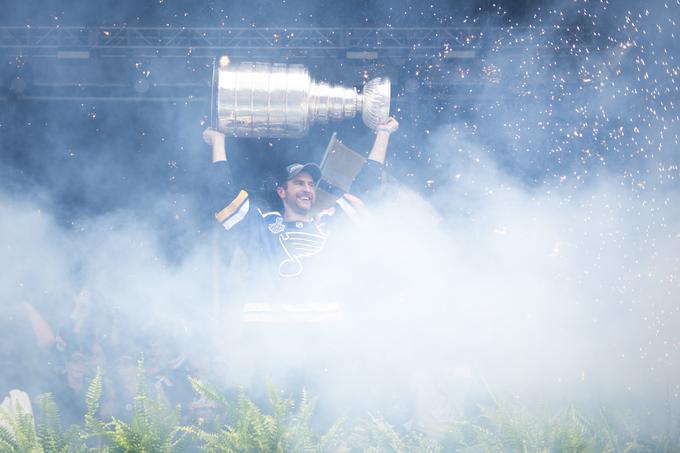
[(216, 140), (230, 204), (382, 139), (370, 175)]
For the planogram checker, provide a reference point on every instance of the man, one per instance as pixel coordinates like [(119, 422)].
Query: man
[(284, 245), (286, 322)]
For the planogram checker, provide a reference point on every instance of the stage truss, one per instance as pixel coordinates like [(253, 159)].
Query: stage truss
[(174, 63)]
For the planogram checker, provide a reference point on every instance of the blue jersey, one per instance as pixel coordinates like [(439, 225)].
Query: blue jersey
[(281, 252)]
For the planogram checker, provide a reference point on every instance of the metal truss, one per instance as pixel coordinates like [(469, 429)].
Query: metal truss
[(237, 42), (411, 42), (97, 62)]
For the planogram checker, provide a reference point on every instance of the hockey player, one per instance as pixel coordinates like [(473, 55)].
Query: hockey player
[(283, 246)]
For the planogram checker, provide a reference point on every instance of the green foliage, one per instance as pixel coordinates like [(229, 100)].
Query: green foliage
[(286, 425), (94, 426), (373, 434), (508, 426), (18, 433), (570, 432), (49, 428), (22, 434), (209, 394), (248, 429), (153, 428), (53, 438)]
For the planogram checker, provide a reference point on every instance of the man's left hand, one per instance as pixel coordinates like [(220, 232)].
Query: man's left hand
[(388, 126)]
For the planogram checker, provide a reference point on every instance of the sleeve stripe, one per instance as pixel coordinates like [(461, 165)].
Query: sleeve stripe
[(347, 208), (238, 216), (354, 201), (234, 206)]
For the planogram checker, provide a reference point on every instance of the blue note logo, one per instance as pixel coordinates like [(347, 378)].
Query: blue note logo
[(298, 245)]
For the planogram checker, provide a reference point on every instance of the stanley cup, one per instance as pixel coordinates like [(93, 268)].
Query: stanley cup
[(272, 100)]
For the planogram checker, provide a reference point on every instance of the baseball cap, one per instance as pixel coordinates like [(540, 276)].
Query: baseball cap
[(295, 169)]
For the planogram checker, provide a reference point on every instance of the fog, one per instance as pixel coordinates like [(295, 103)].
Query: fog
[(527, 243)]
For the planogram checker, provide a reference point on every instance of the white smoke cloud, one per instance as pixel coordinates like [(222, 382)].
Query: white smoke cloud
[(560, 290), (541, 293), (508, 287)]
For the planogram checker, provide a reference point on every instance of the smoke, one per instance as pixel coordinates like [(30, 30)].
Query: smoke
[(542, 262)]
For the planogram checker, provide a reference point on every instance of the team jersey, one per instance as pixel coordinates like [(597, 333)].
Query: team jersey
[(282, 253)]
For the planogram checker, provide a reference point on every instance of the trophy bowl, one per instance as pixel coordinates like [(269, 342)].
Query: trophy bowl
[(282, 101)]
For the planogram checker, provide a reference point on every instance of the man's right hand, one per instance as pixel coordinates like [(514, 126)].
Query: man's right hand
[(216, 140), (210, 135)]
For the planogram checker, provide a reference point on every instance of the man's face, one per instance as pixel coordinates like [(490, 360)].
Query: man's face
[(298, 193)]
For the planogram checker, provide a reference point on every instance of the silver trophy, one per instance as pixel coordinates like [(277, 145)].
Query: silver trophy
[(273, 100)]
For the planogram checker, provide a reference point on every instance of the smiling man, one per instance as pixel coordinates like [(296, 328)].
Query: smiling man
[(298, 190)]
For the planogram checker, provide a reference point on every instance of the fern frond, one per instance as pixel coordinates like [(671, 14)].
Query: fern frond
[(306, 407), (198, 433), (7, 441), (209, 393), (93, 397), (416, 441), (20, 431), (385, 433), (140, 405), (300, 436), (334, 438), (49, 427), (93, 426)]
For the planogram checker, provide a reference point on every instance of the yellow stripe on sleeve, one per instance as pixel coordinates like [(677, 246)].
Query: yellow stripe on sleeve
[(227, 212), (355, 201)]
